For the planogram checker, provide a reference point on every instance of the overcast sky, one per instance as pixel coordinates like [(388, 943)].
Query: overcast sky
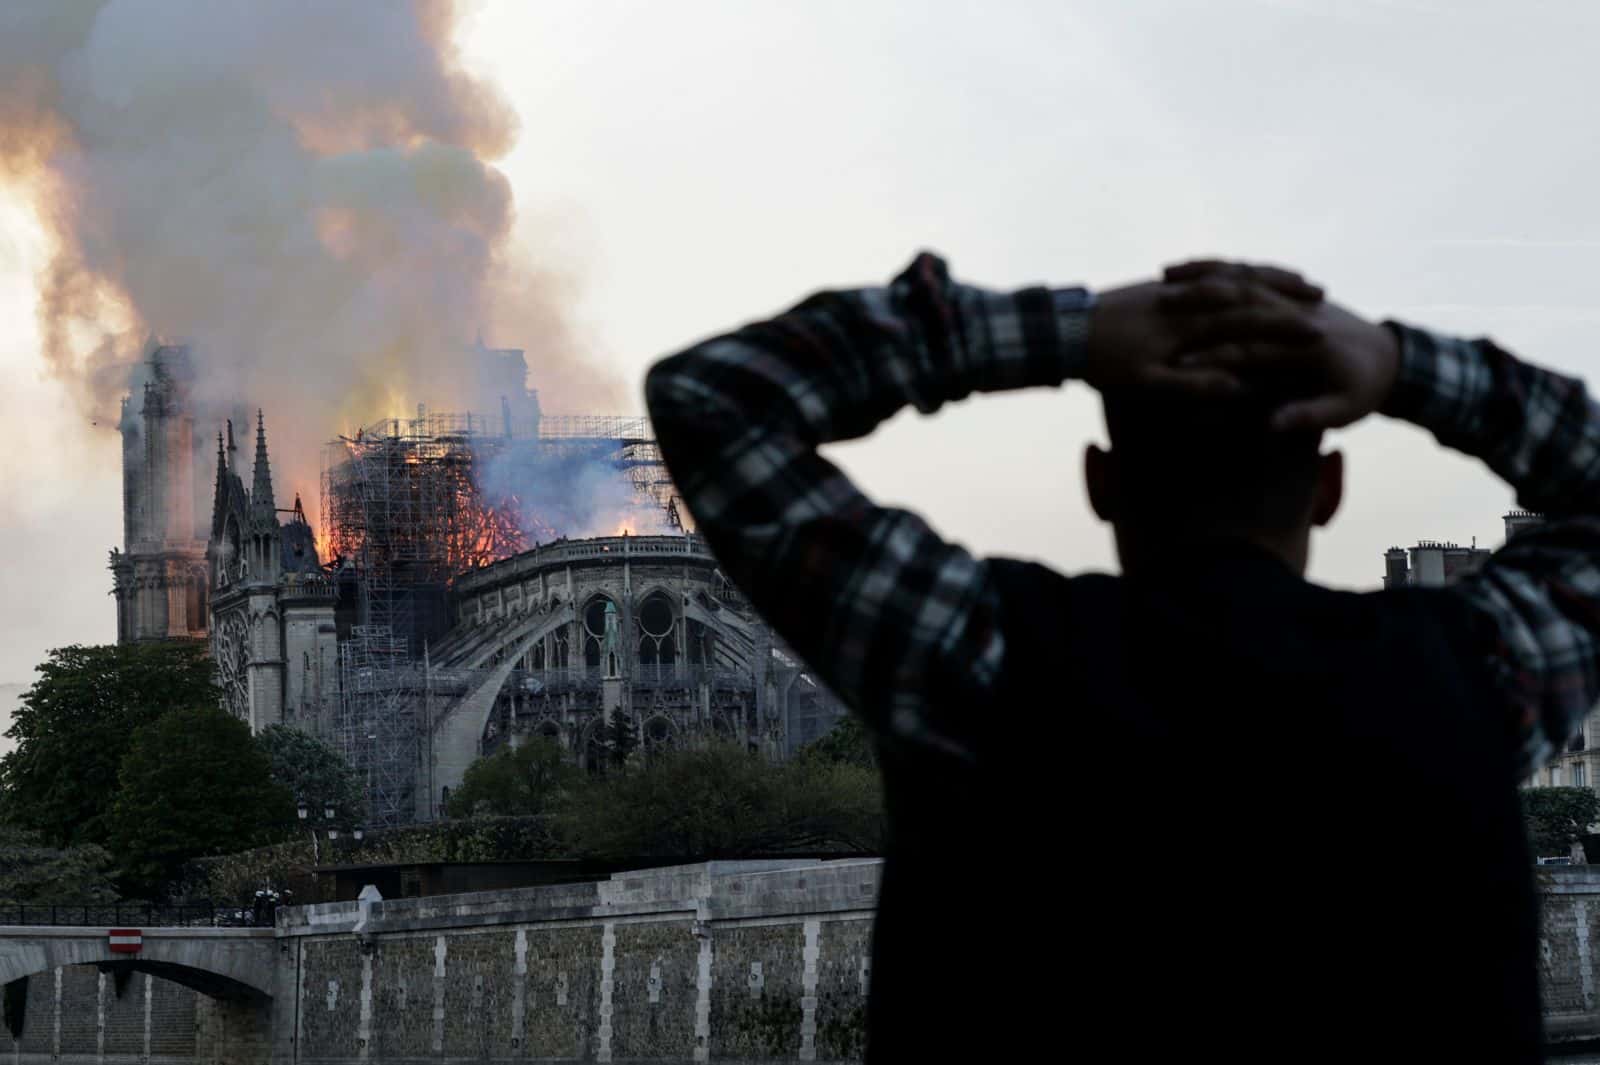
[(694, 165)]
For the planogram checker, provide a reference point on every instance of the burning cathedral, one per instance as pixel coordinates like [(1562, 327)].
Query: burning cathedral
[(477, 579)]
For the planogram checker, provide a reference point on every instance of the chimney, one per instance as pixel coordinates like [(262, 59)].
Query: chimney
[(1520, 521), (1396, 574)]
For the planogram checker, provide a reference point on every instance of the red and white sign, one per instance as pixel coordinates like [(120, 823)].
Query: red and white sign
[(126, 940)]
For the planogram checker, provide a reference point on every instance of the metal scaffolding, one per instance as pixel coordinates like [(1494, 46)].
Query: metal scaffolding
[(381, 687), (401, 500), (405, 501), (594, 427)]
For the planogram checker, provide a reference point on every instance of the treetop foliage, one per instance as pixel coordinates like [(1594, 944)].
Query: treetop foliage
[(847, 743), (193, 782), (1558, 817), (73, 727), (31, 872), (510, 783), (722, 801), (311, 770), (125, 752)]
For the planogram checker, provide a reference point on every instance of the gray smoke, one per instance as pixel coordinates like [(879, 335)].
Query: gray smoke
[(566, 492), (300, 190)]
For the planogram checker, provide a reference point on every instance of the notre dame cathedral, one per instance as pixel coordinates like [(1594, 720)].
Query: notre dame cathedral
[(247, 579)]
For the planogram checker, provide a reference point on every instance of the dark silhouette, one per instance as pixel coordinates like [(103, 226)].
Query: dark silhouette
[(1233, 763)]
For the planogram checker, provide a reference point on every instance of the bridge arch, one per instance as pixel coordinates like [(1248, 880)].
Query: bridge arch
[(234, 964)]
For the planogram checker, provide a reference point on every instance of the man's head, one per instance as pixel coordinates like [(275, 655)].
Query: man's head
[(1182, 467)]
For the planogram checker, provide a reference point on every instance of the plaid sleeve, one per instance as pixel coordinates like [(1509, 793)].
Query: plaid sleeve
[(901, 624), (1540, 593)]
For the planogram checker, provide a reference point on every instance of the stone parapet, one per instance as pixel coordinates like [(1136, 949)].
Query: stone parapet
[(710, 890), (716, 961)]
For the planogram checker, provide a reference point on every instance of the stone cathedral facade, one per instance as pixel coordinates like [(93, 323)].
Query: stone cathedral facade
[(247, 582), (562, 642), (273, 634)]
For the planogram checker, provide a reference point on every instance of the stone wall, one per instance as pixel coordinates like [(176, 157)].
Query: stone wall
[(746, 961), (1568, 935), (735, 961), (76, 1014)]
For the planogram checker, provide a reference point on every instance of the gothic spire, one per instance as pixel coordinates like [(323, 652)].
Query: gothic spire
[(261, 487), (216, 494)]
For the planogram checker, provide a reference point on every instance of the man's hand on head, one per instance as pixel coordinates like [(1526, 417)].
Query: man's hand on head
[(1137, 331), (1344, 374)]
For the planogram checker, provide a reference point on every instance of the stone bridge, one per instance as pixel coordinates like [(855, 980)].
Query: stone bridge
[(721, 961), (69, 997), (225, 963)]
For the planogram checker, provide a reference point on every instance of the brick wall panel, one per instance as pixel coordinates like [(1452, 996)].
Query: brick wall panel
[(480, 971), (761, 1025), (668, 953), (402, 998), (841, 998), (330, 1034), (557, 957)]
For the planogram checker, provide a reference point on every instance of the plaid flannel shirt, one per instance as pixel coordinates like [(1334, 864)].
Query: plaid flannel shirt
[(1540, 593), (904, 625)]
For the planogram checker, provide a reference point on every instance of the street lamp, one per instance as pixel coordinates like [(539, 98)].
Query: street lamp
[(302, 810)]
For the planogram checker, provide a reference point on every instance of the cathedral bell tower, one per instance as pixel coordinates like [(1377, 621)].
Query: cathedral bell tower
[(159, 574)]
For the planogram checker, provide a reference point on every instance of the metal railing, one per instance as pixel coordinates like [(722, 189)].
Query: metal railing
[(561, 552), (586, 678), (690, 676), (127, 915)]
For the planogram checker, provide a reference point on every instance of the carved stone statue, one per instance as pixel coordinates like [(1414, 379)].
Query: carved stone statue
[(611, 646)]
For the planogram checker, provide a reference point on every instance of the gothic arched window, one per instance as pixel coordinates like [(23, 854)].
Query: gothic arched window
[(594, 630), (657, 624), (657, 734)]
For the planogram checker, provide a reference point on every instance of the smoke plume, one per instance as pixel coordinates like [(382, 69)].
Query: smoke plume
[(566, 493), (302, 191)]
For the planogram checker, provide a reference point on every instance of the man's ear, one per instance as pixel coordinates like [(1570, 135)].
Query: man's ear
[(1100, 477), (1330, 488)]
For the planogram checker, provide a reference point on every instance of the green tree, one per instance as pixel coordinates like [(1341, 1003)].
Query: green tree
[(723, 801), (621, 738), (837, 806), (311, 770), (847, 743), (193, 782), (72, 729), (1557, 817), (31, 872), (521, 782)]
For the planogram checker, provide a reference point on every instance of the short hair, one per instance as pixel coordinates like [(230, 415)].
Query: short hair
[(1209, 464)]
